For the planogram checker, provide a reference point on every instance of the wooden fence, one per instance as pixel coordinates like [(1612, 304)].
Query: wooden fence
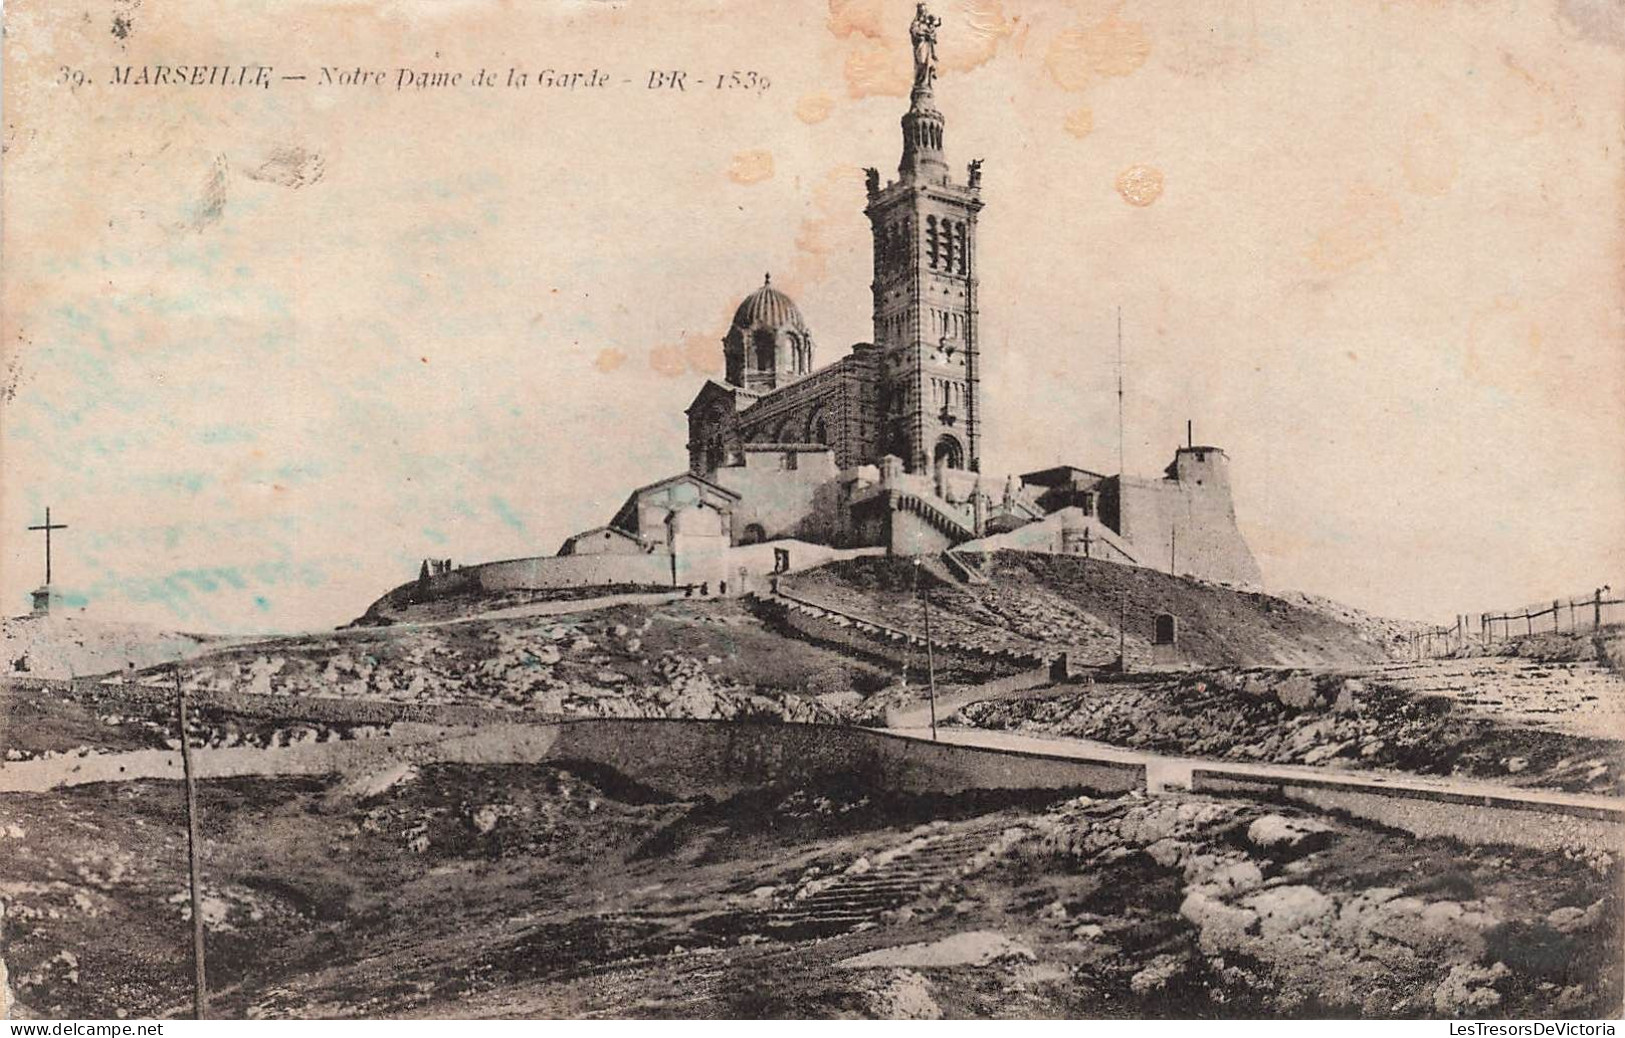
[(1585, 613), (1579, 613)]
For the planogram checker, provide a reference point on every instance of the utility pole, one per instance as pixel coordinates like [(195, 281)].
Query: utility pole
[(200, 990), (1122, 632), (930, 658), (1120, 402), (1173, 548)]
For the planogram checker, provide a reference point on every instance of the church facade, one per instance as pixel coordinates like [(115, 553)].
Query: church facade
[(883, 447)]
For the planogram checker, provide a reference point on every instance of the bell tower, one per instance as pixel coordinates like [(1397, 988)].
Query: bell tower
[(925, 308)]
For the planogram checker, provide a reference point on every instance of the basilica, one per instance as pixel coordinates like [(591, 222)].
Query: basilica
[(881, 449)]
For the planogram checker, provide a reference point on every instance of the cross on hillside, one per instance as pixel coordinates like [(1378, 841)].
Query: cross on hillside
[(48, 527)]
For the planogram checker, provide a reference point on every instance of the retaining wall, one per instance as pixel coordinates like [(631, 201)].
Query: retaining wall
[(572, 571), (1471, 818), (680, 757), (719, 758)]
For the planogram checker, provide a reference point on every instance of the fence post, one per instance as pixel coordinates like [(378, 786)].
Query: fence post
[(1529, 620), (1596, 610), (1555, 607)]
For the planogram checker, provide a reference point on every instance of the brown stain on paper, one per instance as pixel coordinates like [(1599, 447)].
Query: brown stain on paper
[(1140, 185), (1080, 122), (694, 354), (751, 167), (831, 205), (814, 108), (1359, 231), (1106, 49)]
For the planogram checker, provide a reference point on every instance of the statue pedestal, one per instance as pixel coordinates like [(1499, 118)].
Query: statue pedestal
[(43, 597)]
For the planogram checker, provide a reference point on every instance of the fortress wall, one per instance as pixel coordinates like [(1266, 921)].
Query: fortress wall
[(1208, 545)]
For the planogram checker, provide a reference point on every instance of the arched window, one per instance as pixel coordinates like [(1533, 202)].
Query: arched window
[(766, 350), (818, 429), (949, 454)]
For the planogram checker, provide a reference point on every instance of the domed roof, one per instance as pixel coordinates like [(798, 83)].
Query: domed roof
[(767, 307)]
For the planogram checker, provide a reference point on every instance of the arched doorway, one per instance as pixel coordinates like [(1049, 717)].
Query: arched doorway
[(753, 534), (948, 454)]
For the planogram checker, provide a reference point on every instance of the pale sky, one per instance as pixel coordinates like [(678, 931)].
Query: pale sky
[(266, 349)]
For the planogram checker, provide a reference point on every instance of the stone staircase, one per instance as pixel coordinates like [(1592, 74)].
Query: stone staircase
[(870, 887), (964, 570), (949, 525)]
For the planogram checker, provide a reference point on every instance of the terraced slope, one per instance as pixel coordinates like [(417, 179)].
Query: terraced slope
[(1048, 603)]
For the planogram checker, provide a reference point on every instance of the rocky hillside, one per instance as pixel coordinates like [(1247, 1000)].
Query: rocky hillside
[(408, 603), (71, 646), (1050, 603), (1328, 719), (490, 891), (700, 659)]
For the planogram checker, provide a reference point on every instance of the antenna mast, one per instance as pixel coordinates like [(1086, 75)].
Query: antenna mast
[(1119, 393)]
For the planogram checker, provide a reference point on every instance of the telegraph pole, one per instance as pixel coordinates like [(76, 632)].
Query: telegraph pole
[(1119, 404), (930, 658), (1122, 632), (200, 990)]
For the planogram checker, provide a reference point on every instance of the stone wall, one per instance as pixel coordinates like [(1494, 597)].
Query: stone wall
[(1060, 533), (569, 571), (1474, 819), (799, 502), (841, 396), (677, 757), (745, 568), (719, 759)]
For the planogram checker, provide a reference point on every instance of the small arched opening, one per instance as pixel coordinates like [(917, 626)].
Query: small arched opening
[(818, 428), (753, 534), (766, 350), (948, 454)]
